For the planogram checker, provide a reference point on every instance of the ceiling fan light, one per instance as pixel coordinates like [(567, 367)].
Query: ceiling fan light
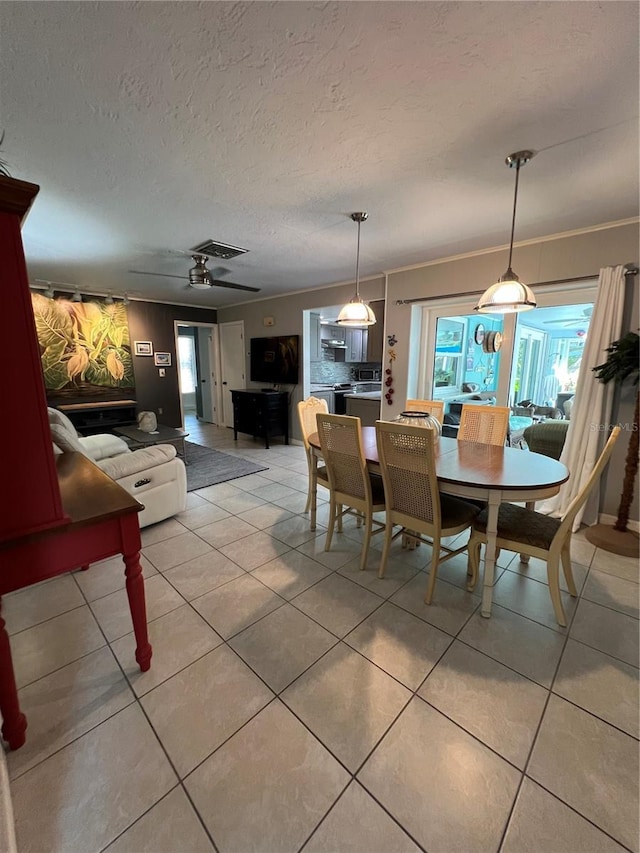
[(507, 296), (356, 314)]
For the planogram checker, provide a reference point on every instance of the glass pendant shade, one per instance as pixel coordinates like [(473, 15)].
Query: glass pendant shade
[(508, 295), (357, 313)]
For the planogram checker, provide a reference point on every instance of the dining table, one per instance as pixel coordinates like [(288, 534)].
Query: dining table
[(485, 472)]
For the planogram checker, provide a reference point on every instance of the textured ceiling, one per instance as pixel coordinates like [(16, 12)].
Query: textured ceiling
[(153, 126)]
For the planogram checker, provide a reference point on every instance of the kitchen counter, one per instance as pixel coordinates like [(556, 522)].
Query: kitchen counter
[(366, 395)]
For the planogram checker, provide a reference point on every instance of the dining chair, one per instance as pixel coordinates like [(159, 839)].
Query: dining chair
[(536, 535), (307, 411), (353, 490), (432, 407), (407, 462), (484, 424)]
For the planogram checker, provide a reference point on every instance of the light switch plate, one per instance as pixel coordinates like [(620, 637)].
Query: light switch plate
[(161, 371)]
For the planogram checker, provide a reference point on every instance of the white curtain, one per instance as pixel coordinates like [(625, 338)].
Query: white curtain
[(591, 412)]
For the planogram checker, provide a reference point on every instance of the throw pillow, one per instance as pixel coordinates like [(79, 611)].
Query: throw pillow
[(66, 441)]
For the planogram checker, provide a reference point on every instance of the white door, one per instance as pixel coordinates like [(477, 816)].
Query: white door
[(232, 365), (205, 375)]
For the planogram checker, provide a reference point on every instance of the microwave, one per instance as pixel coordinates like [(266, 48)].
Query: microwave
[(368, 374)]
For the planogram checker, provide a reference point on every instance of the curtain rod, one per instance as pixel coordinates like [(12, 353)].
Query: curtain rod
[(631, 270)]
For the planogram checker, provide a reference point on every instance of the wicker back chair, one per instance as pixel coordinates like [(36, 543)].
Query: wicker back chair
[(407, 462), (484, 424), (307, 411), (431, 407), (352, 489), (529, 532)]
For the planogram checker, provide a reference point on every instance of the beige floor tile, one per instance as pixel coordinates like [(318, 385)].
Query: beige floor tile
[(169, 827), (337, 604), (357, 824), (351, 727), (64, 804), (581, 551), (532, 599), (198, 576), (221, 490), (178, 639), (200, 707), (614, 592), (449, 610), (300, 781), (234, 606), (35, 604), (240, 502), (607, 630), (498, 706), (396, 575), (251, 482), (272, 490), (296, 502), (223, 532), (172, 552), (590, 766), (399, 643), (616, 564), (67, 703), (293, 531), (342, 550), (254, 550), (107, 577), (161, 531), (528, 647), (417, 558), (46, 647), (265, 516), (536, 569), (113, 614), (282, 645), (194, 500), (450, 792), (291, 573), (199, 516), (603, 685), (540, 822)]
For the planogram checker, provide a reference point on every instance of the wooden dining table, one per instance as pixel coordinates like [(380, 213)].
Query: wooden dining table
[(481, 471)]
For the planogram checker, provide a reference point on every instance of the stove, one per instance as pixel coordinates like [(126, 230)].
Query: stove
[(340, 391)]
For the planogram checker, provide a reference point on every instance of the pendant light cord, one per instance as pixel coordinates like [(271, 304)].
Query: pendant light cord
[(513, 218), (358, 263)]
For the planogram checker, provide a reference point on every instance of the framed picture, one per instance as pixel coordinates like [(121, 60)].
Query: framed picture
[(162, 359), (143, 348)]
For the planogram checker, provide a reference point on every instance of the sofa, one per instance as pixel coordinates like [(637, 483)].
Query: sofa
[(155, 476)]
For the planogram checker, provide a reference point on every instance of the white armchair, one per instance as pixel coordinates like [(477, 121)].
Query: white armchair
[(155, 476)]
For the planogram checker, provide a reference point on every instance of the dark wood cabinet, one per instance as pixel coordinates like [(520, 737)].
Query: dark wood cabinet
[(262, 414), (91, 418)]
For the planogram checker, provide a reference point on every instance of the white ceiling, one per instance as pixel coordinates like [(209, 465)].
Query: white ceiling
[(153, 126)]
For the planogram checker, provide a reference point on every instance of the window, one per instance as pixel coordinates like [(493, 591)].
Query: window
[(187, 356)]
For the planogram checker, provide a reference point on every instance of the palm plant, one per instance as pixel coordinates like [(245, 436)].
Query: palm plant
[(621, 366)]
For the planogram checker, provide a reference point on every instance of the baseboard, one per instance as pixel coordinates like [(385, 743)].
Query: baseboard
[(610, 519), (7, 827)]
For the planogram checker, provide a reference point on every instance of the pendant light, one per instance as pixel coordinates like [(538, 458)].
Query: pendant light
[(357, 313), (509, 294)]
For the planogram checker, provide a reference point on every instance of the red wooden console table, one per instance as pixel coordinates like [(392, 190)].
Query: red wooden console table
[(102, 521)]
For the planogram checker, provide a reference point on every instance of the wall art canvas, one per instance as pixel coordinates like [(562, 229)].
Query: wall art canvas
[(162, 359), (143, 348), (85, 349)]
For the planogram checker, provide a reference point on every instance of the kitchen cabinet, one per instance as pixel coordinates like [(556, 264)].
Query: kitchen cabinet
[(328, 396), (315, 348), (356, 340), (368, 410), (375, 334)]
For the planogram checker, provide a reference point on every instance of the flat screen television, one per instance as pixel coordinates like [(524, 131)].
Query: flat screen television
[(275, 359)]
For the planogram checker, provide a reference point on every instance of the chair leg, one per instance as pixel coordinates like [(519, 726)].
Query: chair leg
[(332, 520), (340, 510), (565, 556), (554, 589), (388, 535), (367, 539), (433, 572), (473, 563), (307, 506)]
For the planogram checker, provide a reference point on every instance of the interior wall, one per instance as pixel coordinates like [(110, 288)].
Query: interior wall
[(154, 321)]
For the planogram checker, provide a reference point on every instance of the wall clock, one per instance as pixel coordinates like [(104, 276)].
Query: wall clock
[(497, 342), (479, 333)]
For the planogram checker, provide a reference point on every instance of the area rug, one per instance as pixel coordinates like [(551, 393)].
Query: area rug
[(207, 467)]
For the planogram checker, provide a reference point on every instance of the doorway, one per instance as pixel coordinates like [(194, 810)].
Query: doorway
[(232, 366), (196, 345)]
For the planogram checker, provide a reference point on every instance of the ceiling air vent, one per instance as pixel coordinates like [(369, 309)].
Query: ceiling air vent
[(218, 250)]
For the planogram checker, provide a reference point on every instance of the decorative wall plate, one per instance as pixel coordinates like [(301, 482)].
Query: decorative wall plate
[(497, 341), (478, 335)]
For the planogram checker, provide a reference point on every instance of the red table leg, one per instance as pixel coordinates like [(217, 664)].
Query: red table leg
[(135, 592), (15, 723)]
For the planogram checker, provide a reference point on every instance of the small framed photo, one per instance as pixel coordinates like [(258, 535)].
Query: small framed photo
[(162, 359), (143, 348)]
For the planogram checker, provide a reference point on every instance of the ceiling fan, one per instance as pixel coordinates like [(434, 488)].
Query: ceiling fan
[(200, 277), (585, 317)]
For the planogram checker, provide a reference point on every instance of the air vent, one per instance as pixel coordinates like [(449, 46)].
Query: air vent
[(218, 250)]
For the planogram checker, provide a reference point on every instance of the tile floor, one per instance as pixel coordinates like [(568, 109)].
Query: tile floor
[(295, 703)]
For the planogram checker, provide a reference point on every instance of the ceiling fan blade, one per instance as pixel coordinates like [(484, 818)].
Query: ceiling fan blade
[(216, 282), (161, 274)]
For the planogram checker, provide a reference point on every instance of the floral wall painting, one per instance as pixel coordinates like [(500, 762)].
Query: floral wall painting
[(143, 347), (84, 347)]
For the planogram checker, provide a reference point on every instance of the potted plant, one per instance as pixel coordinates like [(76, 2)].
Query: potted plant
[(620, 367)]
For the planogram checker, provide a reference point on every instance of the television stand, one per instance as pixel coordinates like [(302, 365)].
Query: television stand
[(261, 413), (92, 418)]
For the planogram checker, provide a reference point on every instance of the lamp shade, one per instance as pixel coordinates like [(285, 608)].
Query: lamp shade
[(357, 314), (506, 296)]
